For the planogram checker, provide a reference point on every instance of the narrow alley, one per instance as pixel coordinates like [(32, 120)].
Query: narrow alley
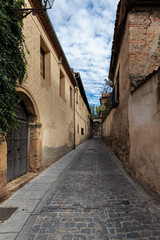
[(93, 198)]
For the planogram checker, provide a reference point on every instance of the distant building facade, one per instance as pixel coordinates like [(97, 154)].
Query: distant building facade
[(48, 114), (96, 126), (132, 127), (82, 112)]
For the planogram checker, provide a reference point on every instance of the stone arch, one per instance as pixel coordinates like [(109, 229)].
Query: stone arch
[(34, 160), (97, 128), (29, 102)]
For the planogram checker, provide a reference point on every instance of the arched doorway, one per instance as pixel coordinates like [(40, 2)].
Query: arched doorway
[(24, 147), (17, 146)]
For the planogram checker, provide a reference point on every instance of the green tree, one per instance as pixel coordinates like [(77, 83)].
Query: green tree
[(12, 62), (95, 110), (98, 109), (92, 107)]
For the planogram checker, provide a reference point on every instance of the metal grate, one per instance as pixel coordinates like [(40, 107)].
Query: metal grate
[(6, 213)]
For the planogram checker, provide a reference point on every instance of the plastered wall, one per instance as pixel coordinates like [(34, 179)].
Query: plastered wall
[(144, 118), (56, 115), (82, 120)]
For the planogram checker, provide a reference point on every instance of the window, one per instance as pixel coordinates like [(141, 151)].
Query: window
[(71, 94), (45, 62), (82, 131), (77, 128), (62, 85), (42, 63)]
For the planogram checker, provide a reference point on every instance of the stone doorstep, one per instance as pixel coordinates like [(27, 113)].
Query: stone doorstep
[(19, 182), (16, 184)]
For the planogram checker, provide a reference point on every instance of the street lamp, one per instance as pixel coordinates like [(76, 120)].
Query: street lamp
[(24, 12)]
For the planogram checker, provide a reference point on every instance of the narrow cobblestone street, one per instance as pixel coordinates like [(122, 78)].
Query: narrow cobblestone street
[(96, 200)]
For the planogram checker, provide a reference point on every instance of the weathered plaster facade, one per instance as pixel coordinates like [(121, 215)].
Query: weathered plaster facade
[(48, 135), (132, 127), (48, 96), (144, 118), (82, 113)]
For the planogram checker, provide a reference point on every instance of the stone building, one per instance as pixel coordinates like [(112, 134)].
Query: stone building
[(47, 112), (82, 112), (132, 127)]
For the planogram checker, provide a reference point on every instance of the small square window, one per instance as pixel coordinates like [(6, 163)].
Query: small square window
[(62, 85), (45, 62), (82, 131), (42, 63), (71, 93)]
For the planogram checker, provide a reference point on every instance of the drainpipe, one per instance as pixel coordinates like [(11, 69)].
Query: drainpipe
[(75, 90)]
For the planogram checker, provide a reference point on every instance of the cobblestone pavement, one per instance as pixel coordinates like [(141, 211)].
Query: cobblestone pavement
[(95, 200)]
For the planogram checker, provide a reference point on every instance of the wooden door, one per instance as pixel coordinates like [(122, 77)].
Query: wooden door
[(17, 147)]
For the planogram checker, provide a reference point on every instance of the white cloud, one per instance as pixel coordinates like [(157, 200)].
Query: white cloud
[(85, 30)]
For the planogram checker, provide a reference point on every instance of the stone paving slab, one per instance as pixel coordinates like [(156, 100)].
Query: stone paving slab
[(34, 186), (27, 206), (8, 236), (15, 223), (45, 179), (28, 194)]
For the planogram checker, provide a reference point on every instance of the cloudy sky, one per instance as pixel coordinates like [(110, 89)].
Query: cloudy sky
[(85, 31)]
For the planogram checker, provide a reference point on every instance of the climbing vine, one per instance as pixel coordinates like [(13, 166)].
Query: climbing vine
[(12, 63)]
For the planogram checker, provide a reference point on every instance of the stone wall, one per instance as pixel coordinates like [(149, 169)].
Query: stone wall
[(117, 121), (143, 103), (132, 129)]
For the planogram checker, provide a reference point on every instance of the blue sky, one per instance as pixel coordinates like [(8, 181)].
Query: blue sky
[(85, 31)]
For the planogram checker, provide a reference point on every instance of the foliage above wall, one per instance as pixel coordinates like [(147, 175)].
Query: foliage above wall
[(12, 63)]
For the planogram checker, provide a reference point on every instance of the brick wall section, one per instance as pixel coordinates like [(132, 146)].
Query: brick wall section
[(144, 44)]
